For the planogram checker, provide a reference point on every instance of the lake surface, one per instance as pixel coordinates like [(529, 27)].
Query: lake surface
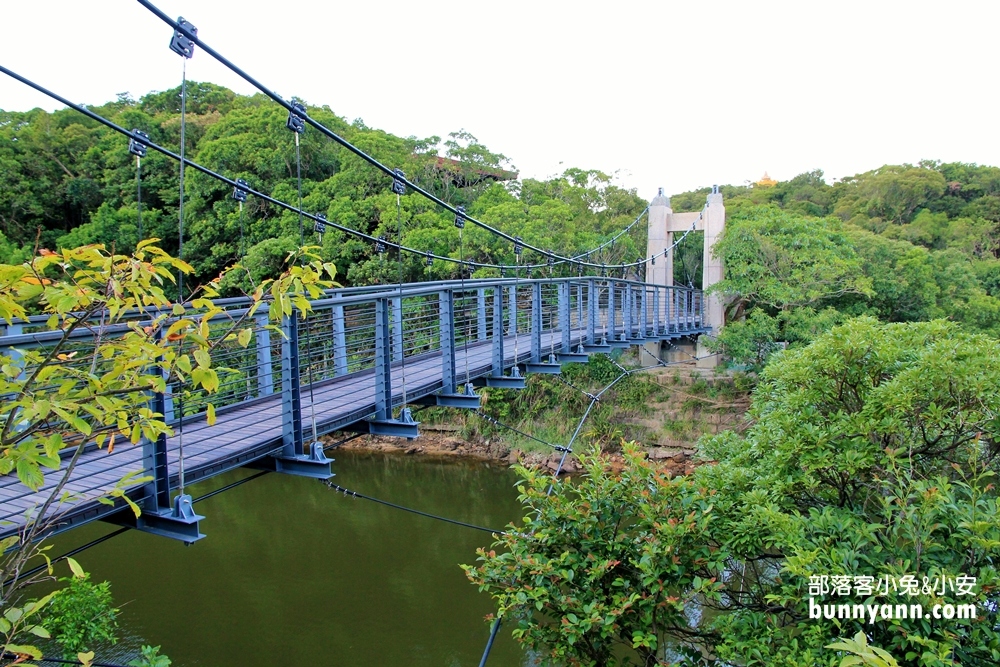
[(292, 573)]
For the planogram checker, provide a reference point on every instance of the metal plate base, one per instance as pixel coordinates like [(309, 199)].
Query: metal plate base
[(546, 369), (505, 382), (461, 401), (394, 428), (572, 358)]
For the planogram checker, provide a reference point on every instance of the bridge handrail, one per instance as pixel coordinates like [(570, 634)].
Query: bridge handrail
[(334, 297)]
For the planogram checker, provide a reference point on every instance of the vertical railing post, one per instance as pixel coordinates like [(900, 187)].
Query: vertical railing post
[(685, 308), (643, 313), (291, 398), (565, 326), (536, 323), (512, 310), (626, 311), (481, 313), (339, 341), (498, 333), (265, 370), (592, 311), (656, 312), (579, 304), (397, 329), (612, 332), (383, 360), (446, 310)]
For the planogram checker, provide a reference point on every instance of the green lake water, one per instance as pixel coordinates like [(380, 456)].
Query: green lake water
[(292, 573)]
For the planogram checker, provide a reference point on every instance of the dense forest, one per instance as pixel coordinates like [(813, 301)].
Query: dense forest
[(902, 243), (65, 181)]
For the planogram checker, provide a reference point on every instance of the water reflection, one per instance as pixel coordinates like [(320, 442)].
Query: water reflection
[(294, 573)]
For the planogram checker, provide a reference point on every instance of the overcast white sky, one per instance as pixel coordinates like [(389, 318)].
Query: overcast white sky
[(678, 94)]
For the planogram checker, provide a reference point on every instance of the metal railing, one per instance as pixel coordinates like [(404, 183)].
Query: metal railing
[(359, 357)]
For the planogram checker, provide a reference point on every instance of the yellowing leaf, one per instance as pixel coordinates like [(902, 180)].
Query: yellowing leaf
[(75, 567), (210, 414)]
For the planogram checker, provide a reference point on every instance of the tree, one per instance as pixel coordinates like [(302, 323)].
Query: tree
[(61, 397), (869, 452)]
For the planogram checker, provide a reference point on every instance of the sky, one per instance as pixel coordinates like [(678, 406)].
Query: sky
[(669, 94)]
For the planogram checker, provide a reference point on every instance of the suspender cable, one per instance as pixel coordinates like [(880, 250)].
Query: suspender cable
[(243, 248), (298, 178), (137, 146), (399, 188), (138, 192), (460, 223), (180, 274)]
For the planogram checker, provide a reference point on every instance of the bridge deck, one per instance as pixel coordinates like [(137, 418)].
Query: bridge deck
[(246, 432)]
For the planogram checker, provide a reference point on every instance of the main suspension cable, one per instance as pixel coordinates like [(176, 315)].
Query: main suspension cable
[(290, 106)]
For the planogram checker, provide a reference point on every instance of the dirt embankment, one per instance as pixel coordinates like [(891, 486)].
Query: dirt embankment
[(686, 406), (443, 442)]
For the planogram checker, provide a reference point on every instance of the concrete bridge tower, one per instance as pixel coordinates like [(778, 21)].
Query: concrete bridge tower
[(664, 226)]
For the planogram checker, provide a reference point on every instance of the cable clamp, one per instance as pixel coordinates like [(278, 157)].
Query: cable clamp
[(240, 190), (296, 118), (460, 217), (380, 245), (182, 43), (518, 246), (398, 182), (430, 259), (320, 225), (137, 143)]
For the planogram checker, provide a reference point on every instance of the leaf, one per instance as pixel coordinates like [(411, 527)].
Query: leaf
[(210, 414), (243, 338), (39, 631), (75, 567), (25, 650), (29, 474)]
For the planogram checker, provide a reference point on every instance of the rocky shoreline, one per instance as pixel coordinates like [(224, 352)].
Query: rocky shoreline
[(443, 442)]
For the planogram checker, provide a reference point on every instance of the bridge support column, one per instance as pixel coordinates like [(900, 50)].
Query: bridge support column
[(566, 354), (497, 378), (384, 424), (465, 397), (177, 521), (294, 459), (536, 365)]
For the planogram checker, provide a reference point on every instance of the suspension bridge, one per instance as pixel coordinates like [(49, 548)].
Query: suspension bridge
[(363, 355)]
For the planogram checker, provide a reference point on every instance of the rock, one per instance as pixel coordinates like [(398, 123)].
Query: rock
[(514, 456)]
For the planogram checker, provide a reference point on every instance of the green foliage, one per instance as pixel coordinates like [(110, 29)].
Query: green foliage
[(81, 615), (151, 658), (862, 653), (871, 451), (66, 181), (607, 561)]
